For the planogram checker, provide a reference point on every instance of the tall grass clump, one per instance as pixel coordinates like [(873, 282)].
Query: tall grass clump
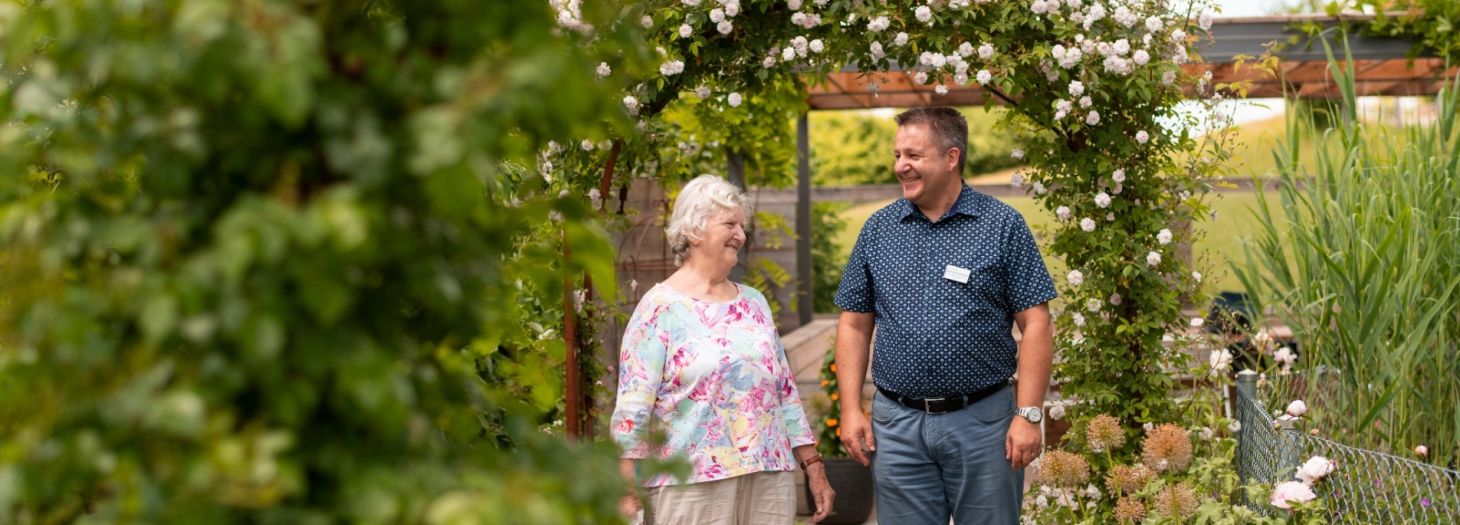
[(1362, 261)]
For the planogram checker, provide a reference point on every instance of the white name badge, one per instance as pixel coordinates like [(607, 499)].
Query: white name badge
[(954, 273)]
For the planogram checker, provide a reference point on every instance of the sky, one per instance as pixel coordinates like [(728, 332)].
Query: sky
[(1248, 7)]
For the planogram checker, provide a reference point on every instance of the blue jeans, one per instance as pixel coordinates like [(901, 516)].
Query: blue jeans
[(930, 467)]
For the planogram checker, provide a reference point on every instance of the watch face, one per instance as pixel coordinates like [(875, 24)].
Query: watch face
[(1033, 414)]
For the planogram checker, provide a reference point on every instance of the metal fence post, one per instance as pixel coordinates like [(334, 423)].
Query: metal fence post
[(1246, 391)]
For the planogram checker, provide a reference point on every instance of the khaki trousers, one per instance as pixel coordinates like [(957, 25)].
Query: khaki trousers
[(762, 498)]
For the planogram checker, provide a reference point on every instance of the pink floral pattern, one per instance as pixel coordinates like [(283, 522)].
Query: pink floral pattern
[(713, 378)]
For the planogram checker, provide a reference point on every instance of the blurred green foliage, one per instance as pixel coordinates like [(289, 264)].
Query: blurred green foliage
[(280, 262), (855, 147)]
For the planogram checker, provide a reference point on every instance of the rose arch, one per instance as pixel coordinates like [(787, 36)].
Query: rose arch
[(1092, 85)]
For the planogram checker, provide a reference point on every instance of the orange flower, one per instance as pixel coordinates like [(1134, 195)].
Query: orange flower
[(825, 382), (833, 368), (838, 433), (834, 395)]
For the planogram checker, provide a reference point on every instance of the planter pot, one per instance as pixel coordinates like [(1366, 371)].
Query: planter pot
[(854, 493)]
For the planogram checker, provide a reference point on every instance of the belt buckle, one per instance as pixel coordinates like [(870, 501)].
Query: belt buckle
[(928, 407)]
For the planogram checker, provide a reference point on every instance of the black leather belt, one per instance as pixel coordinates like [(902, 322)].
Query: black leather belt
[(942, 405)]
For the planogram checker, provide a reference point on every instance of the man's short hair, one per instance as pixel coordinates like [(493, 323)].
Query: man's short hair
[(949, 128)]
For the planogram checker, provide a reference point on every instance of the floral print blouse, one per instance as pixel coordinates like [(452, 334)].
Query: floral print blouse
[(714, 379)]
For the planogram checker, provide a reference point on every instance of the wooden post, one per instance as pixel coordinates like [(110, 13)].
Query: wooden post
[(570, 341)]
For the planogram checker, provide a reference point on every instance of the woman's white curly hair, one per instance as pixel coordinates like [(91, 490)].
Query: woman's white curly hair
[(699, 201)]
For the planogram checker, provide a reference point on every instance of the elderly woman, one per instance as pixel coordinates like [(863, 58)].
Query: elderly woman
[(702, 368)]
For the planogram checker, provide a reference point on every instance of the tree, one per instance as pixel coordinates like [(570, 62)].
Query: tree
[(259, 257)]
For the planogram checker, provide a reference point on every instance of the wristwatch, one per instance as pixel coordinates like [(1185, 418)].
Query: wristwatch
[(1032, 414)]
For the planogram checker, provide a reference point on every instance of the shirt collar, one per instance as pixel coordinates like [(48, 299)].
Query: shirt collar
[(968, 204)]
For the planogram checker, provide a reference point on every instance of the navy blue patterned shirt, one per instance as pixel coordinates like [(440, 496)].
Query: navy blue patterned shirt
[(937, 336)]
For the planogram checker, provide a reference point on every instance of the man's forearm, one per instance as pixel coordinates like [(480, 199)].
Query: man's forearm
[(1036, 357), (853, 348)]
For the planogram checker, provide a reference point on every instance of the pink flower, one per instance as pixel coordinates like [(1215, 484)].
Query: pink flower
[(1316, 468), (1291, 491), (1421, 451), (1297, 408)]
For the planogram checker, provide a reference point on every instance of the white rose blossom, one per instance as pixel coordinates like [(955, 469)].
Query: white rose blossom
[(1196, 276), (876, 51), (734, 100), (984, 77), (631, 104), (1141, 57), (1153, 259), (1017, 153), (1087, 224), (1093, 305), (965, 49), (899, 40), (940, 89), (1197, 322), (717, 15), (1163, 236), (1077, 88), (1102, 200), (921, 77), (1057, 412), (986, 51), (587, 145), (1118, 176), (1221, 360), (685, 31), (924, 14), (1093, 118), (1143, 137), (703, 92), (725, 27), (1063, 212), (1078, 319), (1153, 24), (816, 46), (1086, 102), (1297, 408), (603, 70), (878, 24)]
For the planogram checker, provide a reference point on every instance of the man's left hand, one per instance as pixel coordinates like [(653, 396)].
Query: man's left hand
[(1022, 444)]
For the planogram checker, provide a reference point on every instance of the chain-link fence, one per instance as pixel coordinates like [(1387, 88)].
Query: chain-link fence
[(1367, 486)]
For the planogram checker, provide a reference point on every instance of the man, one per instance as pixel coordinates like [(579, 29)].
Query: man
[(943, 273)]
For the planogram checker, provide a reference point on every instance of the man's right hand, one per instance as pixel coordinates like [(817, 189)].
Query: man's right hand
[(857, 436)]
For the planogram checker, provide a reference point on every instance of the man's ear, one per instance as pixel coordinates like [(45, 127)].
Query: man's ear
[(954, 155)]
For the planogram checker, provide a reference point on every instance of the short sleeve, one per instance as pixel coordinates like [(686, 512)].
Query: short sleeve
[(1029, 281), (855, 292)]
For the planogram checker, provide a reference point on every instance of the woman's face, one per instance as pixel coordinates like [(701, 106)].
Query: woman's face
[(723, 237)]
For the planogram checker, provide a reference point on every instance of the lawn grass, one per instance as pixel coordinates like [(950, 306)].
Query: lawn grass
[(1219, 241)]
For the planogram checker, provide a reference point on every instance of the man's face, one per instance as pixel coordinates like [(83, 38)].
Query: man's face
[(924, 168)]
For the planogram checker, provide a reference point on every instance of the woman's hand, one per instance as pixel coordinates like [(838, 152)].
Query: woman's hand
[(821, 492), (629, 506)]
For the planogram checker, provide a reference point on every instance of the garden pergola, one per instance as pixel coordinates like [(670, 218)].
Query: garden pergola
[(1382, 67)]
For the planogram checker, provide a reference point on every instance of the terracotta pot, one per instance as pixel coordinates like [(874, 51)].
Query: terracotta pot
[(854, 492)]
